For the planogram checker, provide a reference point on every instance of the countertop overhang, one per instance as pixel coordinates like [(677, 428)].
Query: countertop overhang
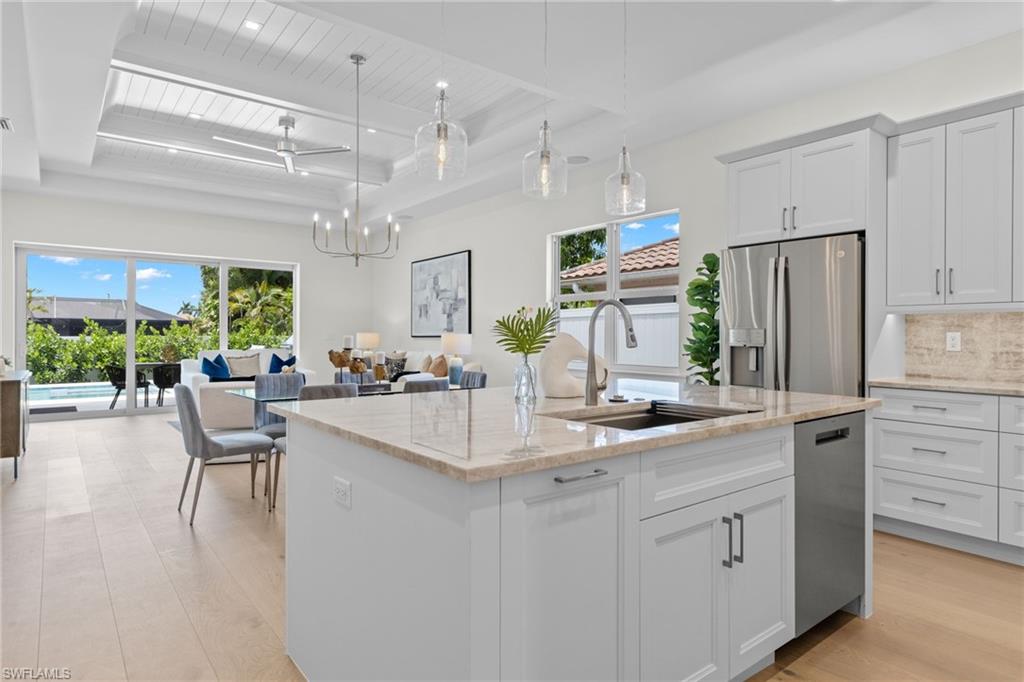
[(481, 434), (1007, 388)]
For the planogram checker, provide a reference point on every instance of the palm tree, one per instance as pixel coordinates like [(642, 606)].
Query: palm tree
[(187, 309), (263, 301)]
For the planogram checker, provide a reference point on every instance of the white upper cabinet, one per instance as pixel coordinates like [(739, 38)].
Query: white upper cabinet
[(759, 198), (979, 181), (1018, 204), (917, 217), (828, 186)]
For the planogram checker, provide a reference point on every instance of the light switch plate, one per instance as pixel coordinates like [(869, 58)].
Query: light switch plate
[(343, 492), (953, 342)]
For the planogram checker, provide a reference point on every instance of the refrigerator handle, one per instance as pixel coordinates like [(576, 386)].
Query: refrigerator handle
[(771, 380), (782, 323)]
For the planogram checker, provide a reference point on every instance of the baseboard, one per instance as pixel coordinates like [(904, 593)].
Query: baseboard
[(756, 668), (944, 538)]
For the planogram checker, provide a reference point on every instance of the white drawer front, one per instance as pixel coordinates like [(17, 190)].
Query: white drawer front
[(675, 477), (1011, 461), (962, 454), (1011, 517), (967, 508), (936, 407), (1011, 414)]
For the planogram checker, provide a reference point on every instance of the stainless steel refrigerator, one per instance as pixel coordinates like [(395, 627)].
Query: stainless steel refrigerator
[(793, 315)]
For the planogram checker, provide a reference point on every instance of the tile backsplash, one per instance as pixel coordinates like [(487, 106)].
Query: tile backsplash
[(992, 346)]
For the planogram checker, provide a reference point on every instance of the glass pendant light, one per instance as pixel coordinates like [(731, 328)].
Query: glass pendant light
[(545, 169), (441, 144), (625, 191)]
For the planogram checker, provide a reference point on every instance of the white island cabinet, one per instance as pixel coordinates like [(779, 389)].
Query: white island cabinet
[(452, 549)]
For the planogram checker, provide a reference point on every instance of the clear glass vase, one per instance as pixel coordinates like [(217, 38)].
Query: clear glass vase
[(526, 382)]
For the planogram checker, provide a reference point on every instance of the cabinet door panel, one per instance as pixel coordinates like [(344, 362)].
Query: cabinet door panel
[(683, 603), (1011, 517), (762, 606), (1011, 461), (569, 557), (829, 186), (979, 170), (916, 231), (758, 193), (1018, 204)]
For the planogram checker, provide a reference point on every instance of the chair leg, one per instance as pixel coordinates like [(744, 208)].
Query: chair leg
[(266, 480), (199, 484), (184, 486), (252, 474), (160, 398), (147, 395), (277, 477), (114, 401)]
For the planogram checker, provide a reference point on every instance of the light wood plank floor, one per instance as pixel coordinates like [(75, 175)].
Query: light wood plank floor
[(100, 574)]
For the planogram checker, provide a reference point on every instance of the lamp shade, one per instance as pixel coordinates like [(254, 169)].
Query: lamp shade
[(456, 344), (367, 340)]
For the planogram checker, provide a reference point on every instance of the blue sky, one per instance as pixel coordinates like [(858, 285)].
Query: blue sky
[(638, 233), (163, 286)]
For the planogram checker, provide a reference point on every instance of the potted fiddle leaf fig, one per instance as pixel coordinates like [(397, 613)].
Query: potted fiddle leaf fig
[(702, 346)]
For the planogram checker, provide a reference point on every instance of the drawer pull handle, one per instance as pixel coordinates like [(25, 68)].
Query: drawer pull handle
[(596, 473), (738, 558), (934, 452), (922, 499), (832, 436), (929, 407), (727, 520)]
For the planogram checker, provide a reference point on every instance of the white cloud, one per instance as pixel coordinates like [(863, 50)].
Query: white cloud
[(150, 273), (674, 227), (102, 277), (63, 260), (633, 226), (143, 286)]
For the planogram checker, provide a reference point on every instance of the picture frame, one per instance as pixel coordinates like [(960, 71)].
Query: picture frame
[(440, 292)]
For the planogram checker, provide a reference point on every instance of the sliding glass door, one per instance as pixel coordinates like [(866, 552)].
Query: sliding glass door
[(106, 332)]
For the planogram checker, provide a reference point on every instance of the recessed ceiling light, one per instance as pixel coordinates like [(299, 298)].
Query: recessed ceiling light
[(172, 150), (442, 84), (252, 25), (195, 115), (303, 173), (371, 130)]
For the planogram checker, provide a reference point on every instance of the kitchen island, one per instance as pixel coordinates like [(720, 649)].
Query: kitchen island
[(458, 536)]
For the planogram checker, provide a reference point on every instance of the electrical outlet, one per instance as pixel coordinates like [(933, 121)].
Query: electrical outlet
[(343, 492), (953, 342)]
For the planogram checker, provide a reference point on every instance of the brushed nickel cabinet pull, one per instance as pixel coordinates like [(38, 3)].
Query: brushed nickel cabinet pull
[(938, 285), (929, 407), (738, 558), (923, 499), (792, 220), (728, 562), (934, 452), (951, 280), (582, 477), (784, 209)]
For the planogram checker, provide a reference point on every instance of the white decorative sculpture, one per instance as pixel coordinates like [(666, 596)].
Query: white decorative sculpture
[(555, 378)]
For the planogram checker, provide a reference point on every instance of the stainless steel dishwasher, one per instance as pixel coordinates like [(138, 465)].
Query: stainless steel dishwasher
[(829, 466)]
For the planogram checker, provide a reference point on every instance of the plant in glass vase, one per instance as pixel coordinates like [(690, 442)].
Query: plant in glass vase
[(525, 333)]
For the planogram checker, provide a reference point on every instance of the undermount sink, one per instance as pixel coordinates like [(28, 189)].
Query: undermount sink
[(662, 413)]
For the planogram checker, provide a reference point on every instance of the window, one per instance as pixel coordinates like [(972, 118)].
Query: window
[(636, 261)]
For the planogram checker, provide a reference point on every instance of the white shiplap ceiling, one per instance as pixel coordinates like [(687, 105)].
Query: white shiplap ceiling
[(162, 74)]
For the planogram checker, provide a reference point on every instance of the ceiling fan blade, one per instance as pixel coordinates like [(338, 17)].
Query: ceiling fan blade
[(244, 144), (324, 150), (289, 164)]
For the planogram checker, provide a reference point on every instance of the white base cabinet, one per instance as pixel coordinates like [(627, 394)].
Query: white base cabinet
[(717, 584)]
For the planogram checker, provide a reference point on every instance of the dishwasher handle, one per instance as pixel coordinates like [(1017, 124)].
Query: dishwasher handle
[(831, 436)]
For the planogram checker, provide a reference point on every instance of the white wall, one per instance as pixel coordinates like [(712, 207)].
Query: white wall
[(507, 233), (331, 293)]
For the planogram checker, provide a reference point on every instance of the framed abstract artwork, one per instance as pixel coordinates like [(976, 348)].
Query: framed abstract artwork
[(441, 295)]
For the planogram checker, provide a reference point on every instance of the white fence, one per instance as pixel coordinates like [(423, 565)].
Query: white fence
[(657, 334)]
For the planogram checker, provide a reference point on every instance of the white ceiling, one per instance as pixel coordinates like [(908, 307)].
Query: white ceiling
[(101, 92)]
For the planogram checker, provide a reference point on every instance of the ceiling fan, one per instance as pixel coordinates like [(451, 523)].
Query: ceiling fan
[(286, 149)]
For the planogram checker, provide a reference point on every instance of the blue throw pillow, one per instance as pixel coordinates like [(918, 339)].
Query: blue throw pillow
[(217, 368), (277, 364)]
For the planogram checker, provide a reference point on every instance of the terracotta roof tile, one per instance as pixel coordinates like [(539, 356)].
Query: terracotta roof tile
[(657, 256)]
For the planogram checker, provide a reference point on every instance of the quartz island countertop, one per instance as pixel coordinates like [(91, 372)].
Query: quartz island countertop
[(478, 435), (1007, 388)]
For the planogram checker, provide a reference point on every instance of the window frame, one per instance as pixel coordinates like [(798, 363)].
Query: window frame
[(614, 289)]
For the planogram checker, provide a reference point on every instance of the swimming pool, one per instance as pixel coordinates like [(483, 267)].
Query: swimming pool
[(44, 392)]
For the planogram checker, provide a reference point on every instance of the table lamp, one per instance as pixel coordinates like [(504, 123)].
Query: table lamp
[(456, 345), (367, 341)]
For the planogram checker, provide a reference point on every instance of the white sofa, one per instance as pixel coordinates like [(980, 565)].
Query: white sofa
[(414, 363), (217, 408)]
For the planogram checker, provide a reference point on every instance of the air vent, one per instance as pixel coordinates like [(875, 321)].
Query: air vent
[(6, 124)]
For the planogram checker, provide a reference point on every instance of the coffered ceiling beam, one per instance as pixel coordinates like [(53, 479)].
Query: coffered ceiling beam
[(157, 58)]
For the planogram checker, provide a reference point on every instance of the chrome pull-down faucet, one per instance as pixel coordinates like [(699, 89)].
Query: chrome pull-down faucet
[(627, 320)]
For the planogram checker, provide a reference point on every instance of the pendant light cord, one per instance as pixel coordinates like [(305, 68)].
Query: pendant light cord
[(359, 214), (444, 41), (625, 108), (547, 96)]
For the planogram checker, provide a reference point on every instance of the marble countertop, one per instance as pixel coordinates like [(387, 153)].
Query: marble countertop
[(952, 385), (481, 434)]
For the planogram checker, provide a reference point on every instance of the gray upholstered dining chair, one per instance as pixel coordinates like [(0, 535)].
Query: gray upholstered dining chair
[(473, 379), (426, 386), (202, 446), (274, 386), (353, 378)]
